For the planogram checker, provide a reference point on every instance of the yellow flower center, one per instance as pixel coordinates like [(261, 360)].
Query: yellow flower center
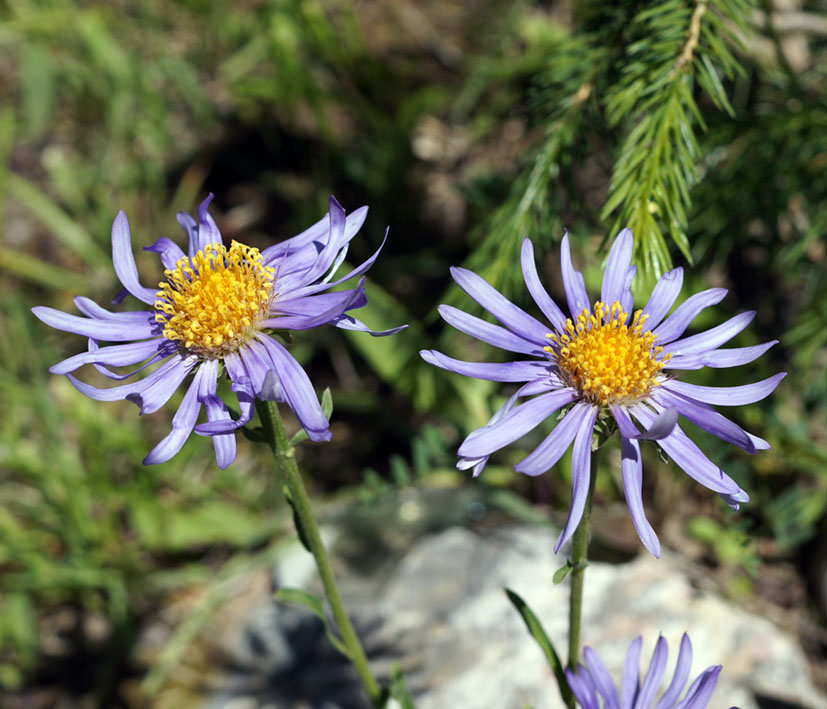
[(606, 360), (213, 302)]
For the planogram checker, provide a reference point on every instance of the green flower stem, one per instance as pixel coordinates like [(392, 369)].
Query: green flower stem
[(579, 561), (288, 470)]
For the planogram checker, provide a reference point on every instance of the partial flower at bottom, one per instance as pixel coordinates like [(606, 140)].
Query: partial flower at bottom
[(215, 312), (592, 682), (606, 360)]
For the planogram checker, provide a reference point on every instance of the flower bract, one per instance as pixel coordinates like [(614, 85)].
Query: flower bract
[(592, 682), (606, 360), (216, 311)]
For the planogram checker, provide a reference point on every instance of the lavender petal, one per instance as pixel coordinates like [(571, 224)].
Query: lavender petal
[(514, 318), (663, 297), (727, 396), (689, 457), (707, 419), (182, 422), (538, 293), (124, 261), (573, 283), (488, 332), (679, 677), (654, 675), (515, 425), (674, 326), (712, 338), (169, 252), (615, 274), (108, 330), (556, 443), (580, 476), (113, 355), (631, 468), (490, 371)]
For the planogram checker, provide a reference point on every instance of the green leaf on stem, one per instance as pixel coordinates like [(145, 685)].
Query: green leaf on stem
[(297, 522), (327, 409), (561, 573), (536, 631), (313, 603), (399, 690)]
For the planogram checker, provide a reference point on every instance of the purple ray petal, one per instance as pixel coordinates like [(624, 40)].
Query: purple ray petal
[(514, 318), (654, 675), (707, 419), (602, 679), (223, 443), (663, 297), (630, 677), (169, 252), (689, 457), (625, 424), (488, 332), (662, 426), (615, 274), (583, 688), (358, 271), (720, 358), (727, 396), (556, 443), (108, 330), (490, 371), (631, 468), (714, 337), (207, 229), (114, 355), (580, 476), (124, 261), (190, 227), (700, 691), (151, 398), (674, 326), (169, 370), (515, 425), (243, 388), (541, 297), (573, 283), (93, 310), (348, 322), (681, 674), (298, 391), (321, 310), (183, 421)]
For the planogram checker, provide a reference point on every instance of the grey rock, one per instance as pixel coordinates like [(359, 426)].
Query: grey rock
[(440, 610)]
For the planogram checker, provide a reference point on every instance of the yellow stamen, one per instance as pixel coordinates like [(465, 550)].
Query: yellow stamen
[(211, 304), (606, 360)]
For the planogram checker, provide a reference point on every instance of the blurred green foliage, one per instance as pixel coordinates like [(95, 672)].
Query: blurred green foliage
[(702, 125)]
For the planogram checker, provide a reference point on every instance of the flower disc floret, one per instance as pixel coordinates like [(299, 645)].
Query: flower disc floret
[(213, 302), (606, 360)]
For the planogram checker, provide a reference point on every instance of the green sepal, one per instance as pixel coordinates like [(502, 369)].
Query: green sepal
[(313, 603), (537, 632), (327, 409), (296, 519), (254, 434), (561, 573)]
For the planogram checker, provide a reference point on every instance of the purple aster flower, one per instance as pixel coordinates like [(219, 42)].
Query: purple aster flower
[(212, 314), (592, 681), (606, 362)]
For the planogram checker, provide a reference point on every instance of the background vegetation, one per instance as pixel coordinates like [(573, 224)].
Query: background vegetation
[(465, 126)]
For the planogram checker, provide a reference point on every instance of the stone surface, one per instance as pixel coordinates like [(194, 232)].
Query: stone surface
[(440, 610)]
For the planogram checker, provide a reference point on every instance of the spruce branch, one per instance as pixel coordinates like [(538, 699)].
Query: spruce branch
[(675, 48)]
